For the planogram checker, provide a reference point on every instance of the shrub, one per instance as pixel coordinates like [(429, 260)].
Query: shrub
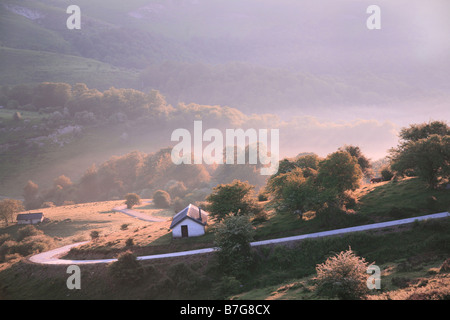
[(28, 231), (184, 278), (129, 242), (161, 199), (126, 270), (226, 287), (7, 247), (400, 282), (94, 234), (232, 237), (331, 216), (387, 174), (343, 276), (31, 244), (4, 237), (263, 196)]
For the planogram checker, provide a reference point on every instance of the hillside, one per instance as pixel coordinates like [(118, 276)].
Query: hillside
[(272, 43), (21, 66), (410, 256), (91, 114)]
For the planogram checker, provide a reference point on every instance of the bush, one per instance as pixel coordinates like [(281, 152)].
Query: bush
[(400, 282), (28, 231), (95, 234), (226, 287), (232, 237), (33, 244), (343, 276), (30, 245), (331, 216), (161, 199), (387, 174), (4, 237), (263, 196), (184, 278), (126, 270)]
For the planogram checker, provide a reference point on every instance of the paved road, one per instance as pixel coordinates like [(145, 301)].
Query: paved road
[(136, 214), (51, 257)]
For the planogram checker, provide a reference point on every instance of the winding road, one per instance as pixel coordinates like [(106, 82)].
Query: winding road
[(52, 257), (136, 214)]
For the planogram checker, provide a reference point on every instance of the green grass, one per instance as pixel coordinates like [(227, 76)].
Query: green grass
[(389, 201), (278, 272), (424, 246), (405, 198)]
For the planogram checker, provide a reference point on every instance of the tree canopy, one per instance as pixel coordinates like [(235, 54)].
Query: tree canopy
[(235, 198), (424, 150)]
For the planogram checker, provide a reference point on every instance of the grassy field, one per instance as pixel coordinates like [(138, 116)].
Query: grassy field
[(409, 259), (376, 203), (74, 223)]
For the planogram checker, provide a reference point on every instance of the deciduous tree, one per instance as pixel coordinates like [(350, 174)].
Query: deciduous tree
[(9, 207), (235, 198)]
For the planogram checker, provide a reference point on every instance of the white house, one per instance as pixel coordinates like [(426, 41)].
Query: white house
[(189, 222), (30, 218)]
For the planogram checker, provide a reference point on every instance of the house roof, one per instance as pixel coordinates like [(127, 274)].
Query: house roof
[(30, 216), (190, 212)]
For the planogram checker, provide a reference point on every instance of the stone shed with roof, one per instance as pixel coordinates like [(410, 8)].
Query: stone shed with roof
[(189, 222)]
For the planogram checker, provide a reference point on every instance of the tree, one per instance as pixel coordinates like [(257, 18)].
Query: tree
[(8, 207), (235, 198), (161, 199), (343, 276), (428, 158), (62, 181), (364, 163), (424, 150), (232, 237), (30, 193), (132, 199), (299, 192), (88, 188), (417, 132), (338, 173)]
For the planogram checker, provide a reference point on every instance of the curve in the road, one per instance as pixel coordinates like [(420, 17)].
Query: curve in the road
[(52, 257)]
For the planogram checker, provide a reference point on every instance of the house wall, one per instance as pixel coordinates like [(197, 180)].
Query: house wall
[(194, 229), (30, 221)]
